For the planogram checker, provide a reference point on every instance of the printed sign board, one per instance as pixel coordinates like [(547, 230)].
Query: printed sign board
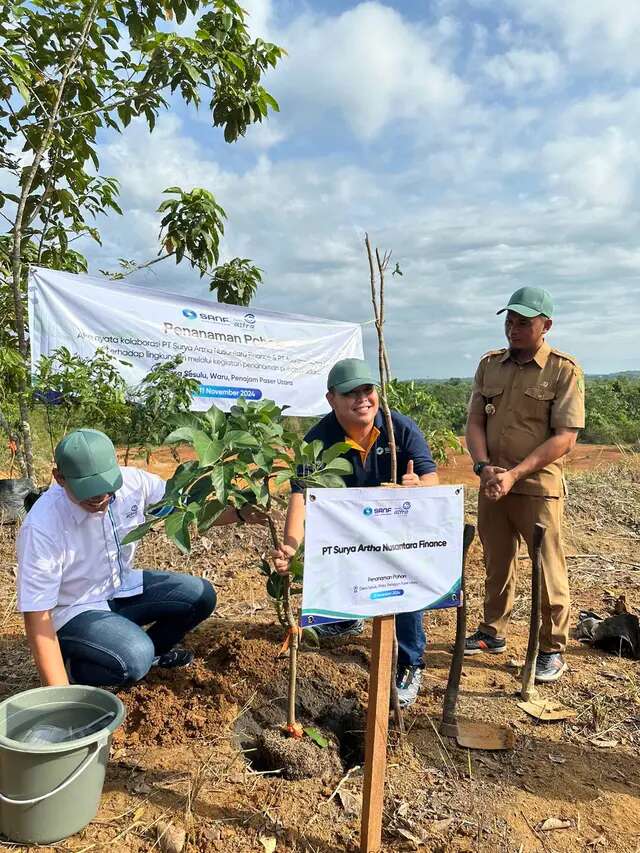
[(377, 551)]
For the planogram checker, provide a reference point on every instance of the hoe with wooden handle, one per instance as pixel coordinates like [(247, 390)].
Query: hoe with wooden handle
[(449, 725), (528, 690)]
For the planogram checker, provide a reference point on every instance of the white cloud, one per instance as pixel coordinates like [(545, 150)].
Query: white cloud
[(388, 125), (303, 221), (519, 68), (594, 33), (368, 66), (599, 170)]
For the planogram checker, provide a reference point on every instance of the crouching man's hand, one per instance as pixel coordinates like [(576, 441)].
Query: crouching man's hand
[(282, 558)]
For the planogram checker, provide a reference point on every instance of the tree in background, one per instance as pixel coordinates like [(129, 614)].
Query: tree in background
[(74, 68), (76, 391), (163, 393), (236, 281)]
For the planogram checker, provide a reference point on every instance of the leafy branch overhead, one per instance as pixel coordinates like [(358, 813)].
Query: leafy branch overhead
[(73, 69)]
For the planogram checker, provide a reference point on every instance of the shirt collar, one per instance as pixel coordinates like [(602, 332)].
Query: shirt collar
[(540, 358)]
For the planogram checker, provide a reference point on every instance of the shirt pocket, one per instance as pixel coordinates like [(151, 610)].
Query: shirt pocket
[(493, 396), (537, 402)]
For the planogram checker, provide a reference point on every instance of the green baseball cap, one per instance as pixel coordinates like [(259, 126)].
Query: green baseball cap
[(530, 302), (348, 374), (86, 458)]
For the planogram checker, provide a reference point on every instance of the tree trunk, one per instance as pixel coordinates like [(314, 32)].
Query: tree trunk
[(19, 226)]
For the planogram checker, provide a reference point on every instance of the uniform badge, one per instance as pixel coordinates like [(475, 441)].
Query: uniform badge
[(490, 409)]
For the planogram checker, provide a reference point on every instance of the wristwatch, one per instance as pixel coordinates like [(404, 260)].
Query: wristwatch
[(477, 468)]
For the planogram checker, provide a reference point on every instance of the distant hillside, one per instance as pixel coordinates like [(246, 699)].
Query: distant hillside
[(622, 374)]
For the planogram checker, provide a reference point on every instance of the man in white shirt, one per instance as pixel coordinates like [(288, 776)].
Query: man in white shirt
[(84, 604)]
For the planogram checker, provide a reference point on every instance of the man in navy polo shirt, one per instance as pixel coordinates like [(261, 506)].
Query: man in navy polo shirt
[(357, 420)]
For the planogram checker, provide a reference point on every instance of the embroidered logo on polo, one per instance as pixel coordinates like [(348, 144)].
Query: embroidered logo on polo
[(133, 511)]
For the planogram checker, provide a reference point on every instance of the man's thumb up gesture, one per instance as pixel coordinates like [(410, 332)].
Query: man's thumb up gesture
[(410, 479)]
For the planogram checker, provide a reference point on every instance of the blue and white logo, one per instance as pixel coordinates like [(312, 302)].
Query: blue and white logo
[(250, 319), (406, 505), (189, 314), (368, 510)]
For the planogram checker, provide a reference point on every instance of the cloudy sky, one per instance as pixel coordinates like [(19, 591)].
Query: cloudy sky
[(488, 143)]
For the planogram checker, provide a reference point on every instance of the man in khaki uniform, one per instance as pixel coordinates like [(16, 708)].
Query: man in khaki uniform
[(526, 408)]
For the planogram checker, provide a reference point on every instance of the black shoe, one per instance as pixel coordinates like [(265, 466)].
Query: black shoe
[(175, 658), (481, 642)]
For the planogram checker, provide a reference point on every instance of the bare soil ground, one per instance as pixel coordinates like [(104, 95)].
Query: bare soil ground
[(180, 755)]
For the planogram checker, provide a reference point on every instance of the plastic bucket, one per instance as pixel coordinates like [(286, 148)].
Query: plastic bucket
[(48, 791)]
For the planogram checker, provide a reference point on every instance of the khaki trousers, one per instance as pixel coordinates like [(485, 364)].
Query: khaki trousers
[(501, 524)]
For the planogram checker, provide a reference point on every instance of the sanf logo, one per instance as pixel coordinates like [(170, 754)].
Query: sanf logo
[(406, 505), (250, 319), (368, 510), (189, 314)]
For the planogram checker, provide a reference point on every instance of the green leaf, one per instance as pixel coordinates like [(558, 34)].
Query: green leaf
[(283, 476), (334, 451), (137, 533), (210, 452), (310, 638), (324, 480), (339, 466), (181, 477), (219, 483), (216, 418), (182, 434), (316, 737), (239, 438), (271, 101), (176, 526), (209, 514), (275, 586), (265, 567)]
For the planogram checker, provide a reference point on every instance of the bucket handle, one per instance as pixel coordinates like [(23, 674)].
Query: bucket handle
[(97, 746)]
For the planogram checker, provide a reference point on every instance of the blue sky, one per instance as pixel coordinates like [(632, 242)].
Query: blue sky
[(488, 143)]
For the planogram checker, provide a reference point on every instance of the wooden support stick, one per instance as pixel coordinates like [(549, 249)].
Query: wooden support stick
[(449, 725), (529, 671), (375, 761)]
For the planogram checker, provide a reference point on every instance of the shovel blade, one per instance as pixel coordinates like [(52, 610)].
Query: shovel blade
[(480, 735)]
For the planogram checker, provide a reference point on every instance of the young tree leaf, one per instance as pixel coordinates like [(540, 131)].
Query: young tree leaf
[(182, 434), (209, 514), (176, 526), (137, 532), (316, 737), (339, 466), (338, 449), (219, 483), (210, 453), (275, 586), (216, 418)]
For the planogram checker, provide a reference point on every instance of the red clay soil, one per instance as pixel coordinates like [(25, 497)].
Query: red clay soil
[(585, 457), (183, 754)]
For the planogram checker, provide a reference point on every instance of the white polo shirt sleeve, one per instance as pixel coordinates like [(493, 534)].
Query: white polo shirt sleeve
[(153, 488), (40, 563)]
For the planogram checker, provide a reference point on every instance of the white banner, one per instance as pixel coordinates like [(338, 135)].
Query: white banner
[(372, 552), (233, 352)]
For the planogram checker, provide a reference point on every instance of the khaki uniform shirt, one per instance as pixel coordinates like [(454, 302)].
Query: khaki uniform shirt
[(523, 404)]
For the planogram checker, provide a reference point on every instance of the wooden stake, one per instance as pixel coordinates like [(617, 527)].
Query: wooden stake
[(375, 761)]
